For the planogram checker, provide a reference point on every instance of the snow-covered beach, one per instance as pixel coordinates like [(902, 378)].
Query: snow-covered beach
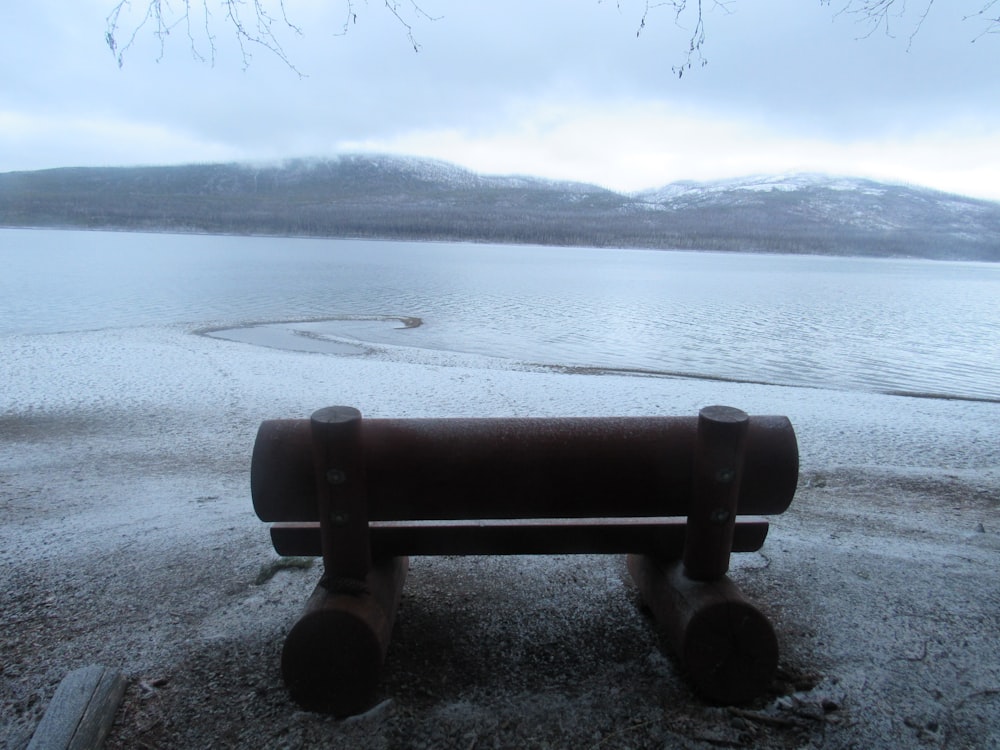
[(128, 540)]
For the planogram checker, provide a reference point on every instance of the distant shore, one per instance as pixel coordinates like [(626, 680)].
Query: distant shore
[(414, 200)]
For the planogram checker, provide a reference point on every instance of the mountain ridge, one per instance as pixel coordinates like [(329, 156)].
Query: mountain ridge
[(393, 197)]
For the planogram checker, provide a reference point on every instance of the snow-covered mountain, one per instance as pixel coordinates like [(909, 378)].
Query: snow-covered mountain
[(759, 183), (412, 198), (837, 204)]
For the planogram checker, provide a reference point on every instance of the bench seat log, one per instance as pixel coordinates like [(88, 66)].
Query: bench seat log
[(653, 536), (430, 469)]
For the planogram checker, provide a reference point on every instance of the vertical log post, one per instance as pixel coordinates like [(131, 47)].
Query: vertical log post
[(725, 644), (339, 469), (720, 443), (332, 658)]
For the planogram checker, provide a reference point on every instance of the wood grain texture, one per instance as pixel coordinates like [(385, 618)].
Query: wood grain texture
[(81, 711)]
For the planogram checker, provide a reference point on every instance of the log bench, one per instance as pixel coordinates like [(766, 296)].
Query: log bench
[(675, 494)]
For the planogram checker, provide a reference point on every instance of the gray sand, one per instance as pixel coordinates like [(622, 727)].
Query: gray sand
[(128, 539)]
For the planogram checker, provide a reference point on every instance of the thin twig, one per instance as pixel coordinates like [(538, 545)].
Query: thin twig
[(774, 721)]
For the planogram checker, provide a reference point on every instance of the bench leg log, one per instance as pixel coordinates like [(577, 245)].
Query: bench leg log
[(726, 645), (332, 658)]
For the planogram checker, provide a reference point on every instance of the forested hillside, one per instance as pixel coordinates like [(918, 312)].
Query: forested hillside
[(406, 198)]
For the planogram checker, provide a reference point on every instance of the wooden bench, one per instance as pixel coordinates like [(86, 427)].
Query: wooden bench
[(676, 494)]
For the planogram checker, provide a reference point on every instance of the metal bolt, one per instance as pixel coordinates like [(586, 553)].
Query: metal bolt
[(725, 476), (719, 516), (336, 476)]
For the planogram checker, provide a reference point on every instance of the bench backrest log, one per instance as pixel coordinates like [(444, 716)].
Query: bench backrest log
[(507, 486)]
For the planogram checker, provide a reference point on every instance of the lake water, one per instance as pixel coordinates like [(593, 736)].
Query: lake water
[(890, 326)]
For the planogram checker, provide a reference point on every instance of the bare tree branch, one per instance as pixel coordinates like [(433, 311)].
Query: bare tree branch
[(884, 14), (260, 32), (688, 15), (261, 24), (164, 16), (395, 8), (873, 15), (255, 24), (992, 22)]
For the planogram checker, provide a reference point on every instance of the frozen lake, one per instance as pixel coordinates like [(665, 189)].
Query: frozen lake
[(877, 326)]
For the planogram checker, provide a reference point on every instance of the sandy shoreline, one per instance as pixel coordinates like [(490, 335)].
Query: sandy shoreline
[(128, 539)]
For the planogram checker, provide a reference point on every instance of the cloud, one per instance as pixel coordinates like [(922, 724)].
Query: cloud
[(630, 146), (46, 141)]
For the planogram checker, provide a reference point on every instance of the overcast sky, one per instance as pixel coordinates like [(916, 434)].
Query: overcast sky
[(553, 88)]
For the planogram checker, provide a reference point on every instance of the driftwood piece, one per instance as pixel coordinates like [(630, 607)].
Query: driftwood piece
[(81, 711)]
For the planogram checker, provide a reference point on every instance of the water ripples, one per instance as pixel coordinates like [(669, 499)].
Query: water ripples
[(895, 326)]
